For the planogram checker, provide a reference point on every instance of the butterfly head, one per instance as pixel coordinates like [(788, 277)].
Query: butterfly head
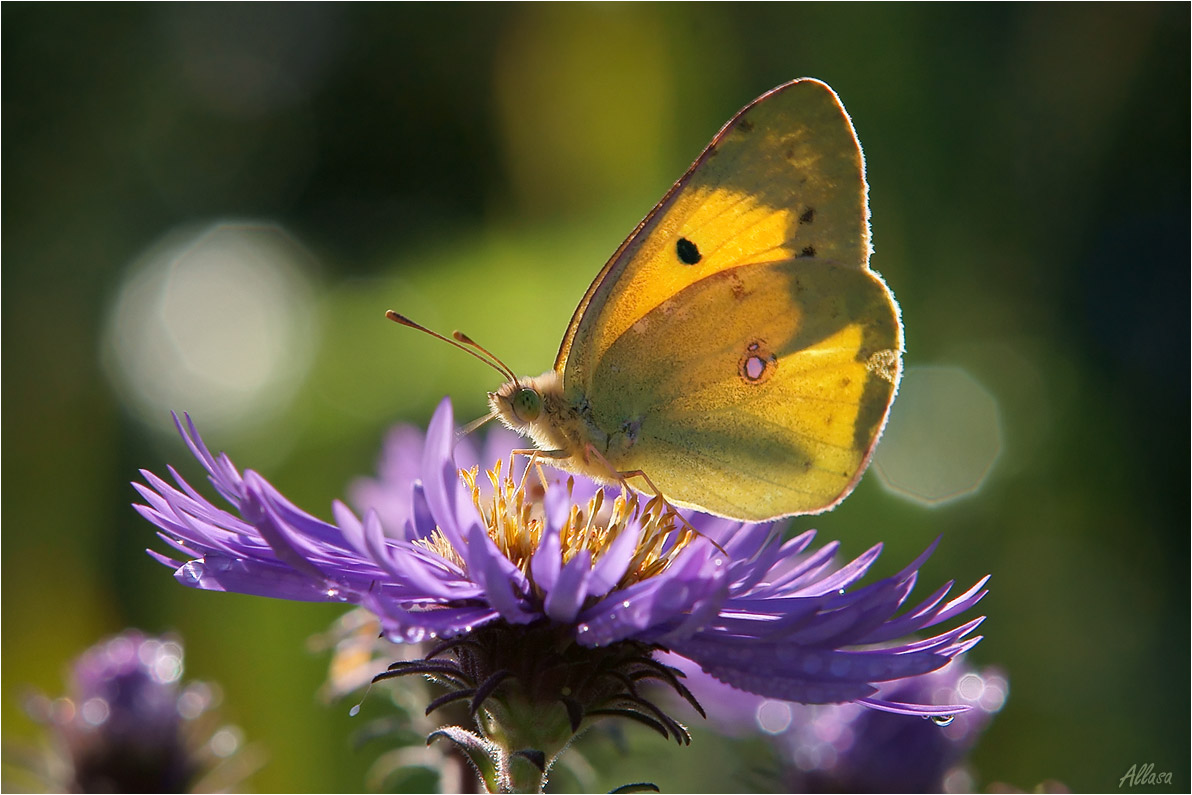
[(518, 403), (531, 406)]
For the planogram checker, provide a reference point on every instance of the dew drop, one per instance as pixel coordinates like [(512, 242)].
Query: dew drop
[(582, 628), (943, 720), (192, 572), (354, 711)]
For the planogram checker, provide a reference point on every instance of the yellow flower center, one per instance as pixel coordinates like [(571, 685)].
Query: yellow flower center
[(512, 514)]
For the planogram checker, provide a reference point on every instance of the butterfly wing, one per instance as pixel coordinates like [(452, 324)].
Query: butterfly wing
[(764, 242), (783, 177), (766, 395)]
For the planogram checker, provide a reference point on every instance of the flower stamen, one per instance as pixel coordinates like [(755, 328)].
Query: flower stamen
[(515, 521)]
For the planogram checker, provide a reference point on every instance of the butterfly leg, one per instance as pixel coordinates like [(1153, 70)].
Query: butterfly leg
[(534, 455), (591, 453), (623, 478)]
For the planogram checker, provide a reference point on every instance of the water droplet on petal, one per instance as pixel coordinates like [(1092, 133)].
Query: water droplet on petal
[(943, 720), (582, 628), (192, 572)]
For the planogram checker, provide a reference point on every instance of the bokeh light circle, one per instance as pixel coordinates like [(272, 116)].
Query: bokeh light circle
[(943, 437), (217, 321)]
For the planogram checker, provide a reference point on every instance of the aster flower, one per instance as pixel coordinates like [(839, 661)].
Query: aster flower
[(554, 598), (128, 724)]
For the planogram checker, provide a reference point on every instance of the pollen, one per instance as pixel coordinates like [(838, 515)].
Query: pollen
[(512, 514)]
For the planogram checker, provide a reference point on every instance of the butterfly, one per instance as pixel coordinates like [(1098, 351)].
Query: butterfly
[(736, 354)]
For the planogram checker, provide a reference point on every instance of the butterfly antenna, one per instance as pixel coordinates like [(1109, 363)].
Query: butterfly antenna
[(466, 340), (492, 361)]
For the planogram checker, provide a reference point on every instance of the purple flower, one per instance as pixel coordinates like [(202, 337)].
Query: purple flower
[(847, 748), (519, 578), (127, 724)]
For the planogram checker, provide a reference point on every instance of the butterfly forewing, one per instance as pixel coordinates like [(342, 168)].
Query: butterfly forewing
[(783, 178)]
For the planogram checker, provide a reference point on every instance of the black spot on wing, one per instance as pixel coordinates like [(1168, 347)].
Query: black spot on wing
[(808, 216), (687, 251), (808, 251)]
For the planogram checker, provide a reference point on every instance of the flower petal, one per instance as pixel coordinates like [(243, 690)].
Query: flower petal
[(565, 598)]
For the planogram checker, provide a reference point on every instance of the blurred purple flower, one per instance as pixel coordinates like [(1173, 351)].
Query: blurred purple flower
[(128, 725), (847, 748)]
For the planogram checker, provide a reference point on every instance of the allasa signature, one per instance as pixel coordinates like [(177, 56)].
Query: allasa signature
[(1143, 775)]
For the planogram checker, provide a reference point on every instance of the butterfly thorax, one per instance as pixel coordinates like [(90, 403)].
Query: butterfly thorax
[(559, 424)]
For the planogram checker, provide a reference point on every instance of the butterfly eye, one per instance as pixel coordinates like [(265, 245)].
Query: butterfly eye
[(527, 405)]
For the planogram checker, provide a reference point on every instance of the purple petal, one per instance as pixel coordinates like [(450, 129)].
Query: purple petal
[(615, 561), (439, 473), (548, 558), (279, 537), (217, 573), (564, 600), (484, 564), (222, 474)]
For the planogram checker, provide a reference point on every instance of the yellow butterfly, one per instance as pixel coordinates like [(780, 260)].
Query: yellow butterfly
[(736, 354)]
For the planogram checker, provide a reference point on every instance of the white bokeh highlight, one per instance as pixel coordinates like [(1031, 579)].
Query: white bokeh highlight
[(217, 321), (943, 438)]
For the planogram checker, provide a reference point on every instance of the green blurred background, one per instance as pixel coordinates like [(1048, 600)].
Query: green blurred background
[(473, 166)]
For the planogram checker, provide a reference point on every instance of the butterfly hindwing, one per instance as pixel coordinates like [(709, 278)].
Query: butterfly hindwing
[(765, 394)]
